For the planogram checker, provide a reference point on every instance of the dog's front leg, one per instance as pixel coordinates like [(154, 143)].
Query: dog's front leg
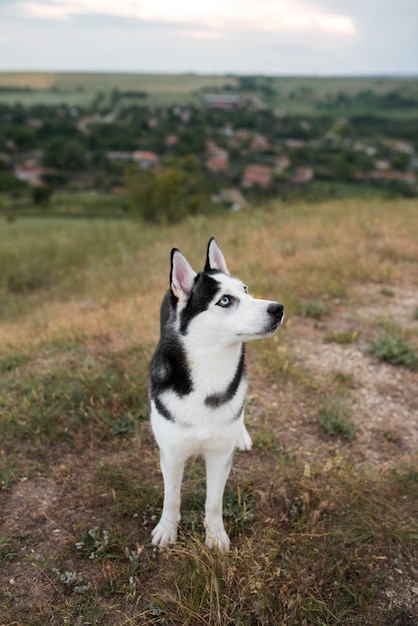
[(166, 530), (217, 471)]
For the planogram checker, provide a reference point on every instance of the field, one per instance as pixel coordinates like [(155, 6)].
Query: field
[(291, 95), (322, 513)]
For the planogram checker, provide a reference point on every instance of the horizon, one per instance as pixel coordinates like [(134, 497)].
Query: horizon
[(382, 75)]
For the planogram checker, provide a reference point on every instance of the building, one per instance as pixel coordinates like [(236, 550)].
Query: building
[(257, 175)]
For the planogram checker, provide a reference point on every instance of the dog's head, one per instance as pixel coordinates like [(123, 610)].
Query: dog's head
[(213, 307)]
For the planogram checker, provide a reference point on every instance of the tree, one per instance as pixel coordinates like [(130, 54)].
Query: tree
[(169, 195), (41, 195), (68, 154)]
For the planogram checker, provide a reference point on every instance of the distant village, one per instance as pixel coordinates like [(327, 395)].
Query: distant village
[(246, 151)]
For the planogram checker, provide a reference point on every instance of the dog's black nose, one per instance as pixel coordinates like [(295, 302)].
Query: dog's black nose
[(275, 309)]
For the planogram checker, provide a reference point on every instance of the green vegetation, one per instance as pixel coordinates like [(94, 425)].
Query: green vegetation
[(394, 349), (335, 418), (168, 147)]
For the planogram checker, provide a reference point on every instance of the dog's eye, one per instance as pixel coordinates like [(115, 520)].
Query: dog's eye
[(225, 301), (245, 288)]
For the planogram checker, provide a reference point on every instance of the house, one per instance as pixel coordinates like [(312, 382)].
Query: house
[(224, 101), (31, 174), (382, 165), (408, 178), (404, 147), (233, 197), (119, 155), (171, 140), (260, 142), (218, 161), (281, 163), (256, 174), (302, 175), (144, 158)]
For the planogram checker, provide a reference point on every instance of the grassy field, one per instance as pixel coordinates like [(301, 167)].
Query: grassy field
[(293, 95), (323, 512)]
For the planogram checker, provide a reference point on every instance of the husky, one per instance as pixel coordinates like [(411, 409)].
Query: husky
[(198, 382)]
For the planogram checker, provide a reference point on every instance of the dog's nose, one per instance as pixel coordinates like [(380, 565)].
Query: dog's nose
[(275, 309)]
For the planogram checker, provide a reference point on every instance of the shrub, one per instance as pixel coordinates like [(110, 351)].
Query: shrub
[(335, 419), (391, 348)]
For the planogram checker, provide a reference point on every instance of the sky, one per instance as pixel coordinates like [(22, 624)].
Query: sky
[(271, 37)]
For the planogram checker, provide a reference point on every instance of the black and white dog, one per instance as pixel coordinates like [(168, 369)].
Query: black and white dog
[(198, 382)]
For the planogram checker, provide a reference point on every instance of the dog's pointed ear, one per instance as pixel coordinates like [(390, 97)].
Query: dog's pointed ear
[(182, 275), (215, 260)]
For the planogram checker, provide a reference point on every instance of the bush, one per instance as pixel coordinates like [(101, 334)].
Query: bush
[(335, 419), (395, 350)]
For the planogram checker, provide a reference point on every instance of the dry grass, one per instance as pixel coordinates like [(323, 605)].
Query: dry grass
[(321, 523)]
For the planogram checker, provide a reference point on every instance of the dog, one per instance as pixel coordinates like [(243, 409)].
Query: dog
[(198, 382)]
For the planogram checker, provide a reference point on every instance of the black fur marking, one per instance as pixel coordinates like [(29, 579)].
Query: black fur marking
[(205, 289), (162, 409), (207, 265), (216, 400), (238, 413), (169, 367)]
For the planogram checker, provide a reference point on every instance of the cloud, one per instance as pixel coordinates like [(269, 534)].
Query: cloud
[(237, 36), (212, 21)]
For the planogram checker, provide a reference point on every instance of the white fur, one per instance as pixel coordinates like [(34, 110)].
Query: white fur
[(213, 346)]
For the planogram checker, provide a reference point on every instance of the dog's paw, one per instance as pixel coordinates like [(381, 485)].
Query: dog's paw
[(217, 539), (244, 441), (164, 534)]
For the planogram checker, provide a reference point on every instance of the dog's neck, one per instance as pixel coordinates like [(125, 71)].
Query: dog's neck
[(213, 367)]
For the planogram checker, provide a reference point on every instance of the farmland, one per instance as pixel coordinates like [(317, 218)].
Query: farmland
[(292, 95)]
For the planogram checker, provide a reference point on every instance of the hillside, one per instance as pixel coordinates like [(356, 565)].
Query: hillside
[(323, 512)]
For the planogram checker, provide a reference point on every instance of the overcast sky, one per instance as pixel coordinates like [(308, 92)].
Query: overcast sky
[(318, 37)]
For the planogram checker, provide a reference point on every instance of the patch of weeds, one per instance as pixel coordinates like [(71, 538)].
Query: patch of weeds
[(267, 440), (415, 313), (389, 293), (392, 436), (72, 581), (344, 379), (394, 349), (335, 419), (7, 550), (237, 511), (315, 309), (407, 476), (7, 477), (134, 498), (400, 616), (10, 362), (342, 338), (95, 543)]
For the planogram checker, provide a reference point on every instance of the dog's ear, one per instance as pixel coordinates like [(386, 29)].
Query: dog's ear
[(215, 260), (182, 275)]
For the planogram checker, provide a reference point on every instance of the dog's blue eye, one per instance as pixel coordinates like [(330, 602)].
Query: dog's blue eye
[(225, 301)]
